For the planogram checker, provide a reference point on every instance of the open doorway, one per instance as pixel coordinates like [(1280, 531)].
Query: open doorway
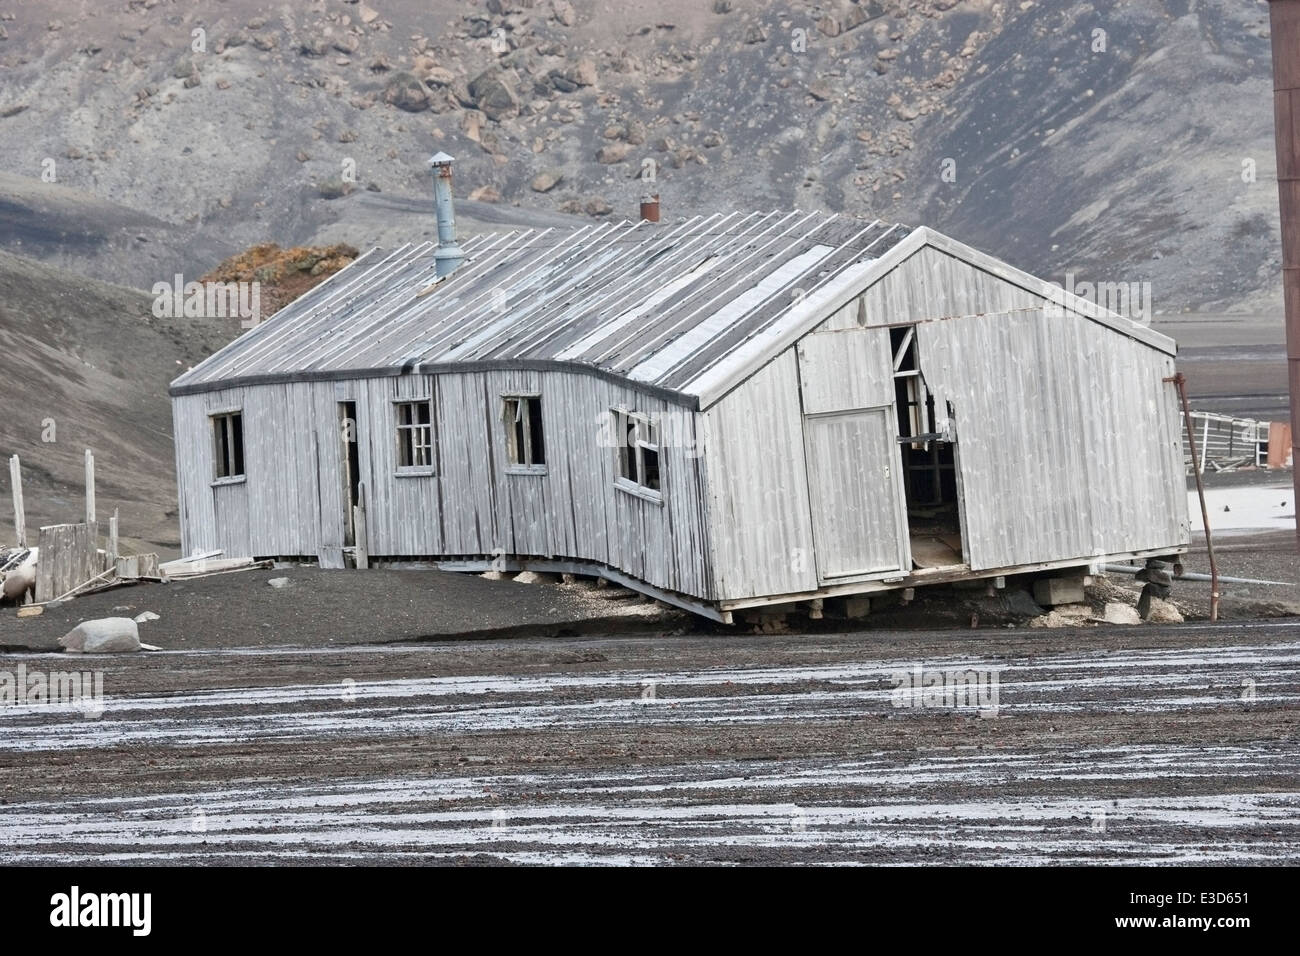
[(351, 469), (928, 452)]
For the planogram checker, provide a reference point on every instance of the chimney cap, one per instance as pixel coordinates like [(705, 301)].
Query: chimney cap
[(440, 159)]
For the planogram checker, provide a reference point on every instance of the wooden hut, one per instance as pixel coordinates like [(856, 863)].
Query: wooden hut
[(724, 412)]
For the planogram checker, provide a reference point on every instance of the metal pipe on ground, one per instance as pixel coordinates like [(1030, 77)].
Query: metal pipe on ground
[(1284, 28), (1192, 576)]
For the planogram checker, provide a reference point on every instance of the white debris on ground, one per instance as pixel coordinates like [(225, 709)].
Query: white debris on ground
[(1116, 613), (1233, 510), (106, 635)]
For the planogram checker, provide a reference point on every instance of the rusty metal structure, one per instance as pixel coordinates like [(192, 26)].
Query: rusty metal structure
[(1285, 29)]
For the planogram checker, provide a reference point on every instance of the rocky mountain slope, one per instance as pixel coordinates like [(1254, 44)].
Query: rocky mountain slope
[(1121, 140), (85, 364)]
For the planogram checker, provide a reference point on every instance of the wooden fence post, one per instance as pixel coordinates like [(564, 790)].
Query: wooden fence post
[(112, 540), (20, 516), (92, 522)]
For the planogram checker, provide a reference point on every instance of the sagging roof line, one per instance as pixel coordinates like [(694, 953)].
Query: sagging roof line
[(608, 297)]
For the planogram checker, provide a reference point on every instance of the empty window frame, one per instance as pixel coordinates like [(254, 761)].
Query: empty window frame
[(228, 445), (638, 450), (914, 416), (415, 451), (525, 444)]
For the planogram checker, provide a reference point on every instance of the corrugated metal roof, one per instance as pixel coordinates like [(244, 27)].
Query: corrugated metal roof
[(657, 304)]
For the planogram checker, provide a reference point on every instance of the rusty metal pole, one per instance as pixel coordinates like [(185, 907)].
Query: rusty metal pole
[(1181, 383), (1285, 31)]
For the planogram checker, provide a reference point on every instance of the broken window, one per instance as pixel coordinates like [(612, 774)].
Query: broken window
[(525, 446), (914, 409), (415, 434), (228, 444), (638, 450)]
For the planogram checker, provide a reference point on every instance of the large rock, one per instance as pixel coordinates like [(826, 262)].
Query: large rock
[(546, 180), (1117, 613), (584, 72), (613, 153), (1162, 612), (564, 13), (105, 635), (406, 92), (493, 94)]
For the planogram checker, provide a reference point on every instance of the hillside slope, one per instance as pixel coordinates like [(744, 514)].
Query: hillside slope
[(1105, 138), (86, 363)]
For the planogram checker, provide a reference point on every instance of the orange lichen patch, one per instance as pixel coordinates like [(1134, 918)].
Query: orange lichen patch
[(284, 274)]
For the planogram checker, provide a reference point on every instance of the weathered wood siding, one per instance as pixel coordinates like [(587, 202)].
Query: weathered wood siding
[(759, 518), (292, 501), (931, 285), (1067, 438)]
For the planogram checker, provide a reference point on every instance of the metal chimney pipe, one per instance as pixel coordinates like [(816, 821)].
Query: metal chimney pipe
[(449, 254), (650, 208), (1285, 31)]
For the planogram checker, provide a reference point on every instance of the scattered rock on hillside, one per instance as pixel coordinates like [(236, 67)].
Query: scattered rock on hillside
[(546, 180), (407, 93), (491, 93)]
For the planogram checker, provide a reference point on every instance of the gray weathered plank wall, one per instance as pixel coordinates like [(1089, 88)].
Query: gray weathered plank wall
[(760, 523), (1068, 441), (1068, 438), (292, 502)]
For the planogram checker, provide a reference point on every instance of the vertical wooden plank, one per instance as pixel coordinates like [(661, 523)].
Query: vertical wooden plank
[(65, 560), (362, 552), (20, 515)]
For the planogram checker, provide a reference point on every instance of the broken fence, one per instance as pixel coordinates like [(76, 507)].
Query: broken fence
[(1224, 442)]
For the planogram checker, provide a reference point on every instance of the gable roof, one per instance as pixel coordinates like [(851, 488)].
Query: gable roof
[(654, 304), (687, 311)]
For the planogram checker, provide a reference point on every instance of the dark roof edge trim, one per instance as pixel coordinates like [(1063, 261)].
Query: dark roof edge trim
[(691, 402)]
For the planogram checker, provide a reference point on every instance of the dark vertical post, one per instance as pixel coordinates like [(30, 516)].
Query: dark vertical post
[(1285, 30)]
